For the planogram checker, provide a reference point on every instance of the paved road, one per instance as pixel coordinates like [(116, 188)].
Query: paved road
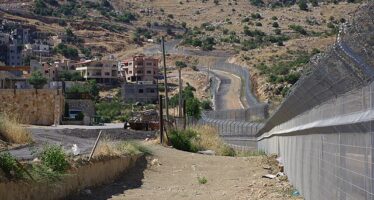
[(67, 135), (228, 95)]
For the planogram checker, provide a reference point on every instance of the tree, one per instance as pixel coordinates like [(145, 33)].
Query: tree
[(303, 5), (314, 3), (193, 108), (257, 2), (93, 89), (180, 64), (70, 76), (37, 80), (275, 24)]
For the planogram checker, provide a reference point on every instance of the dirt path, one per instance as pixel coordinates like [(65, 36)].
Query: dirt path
[(176, 178), (228, 96)]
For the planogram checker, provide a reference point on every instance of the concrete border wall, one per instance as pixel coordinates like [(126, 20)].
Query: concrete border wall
[(98, 173), (323, 131)]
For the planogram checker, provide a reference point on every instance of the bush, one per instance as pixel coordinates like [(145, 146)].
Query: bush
[(89, 87), (227, 151), (12, 131), (79, 116), (298, 29), (303, 5), (257, 2), (180, 64), (69, 76), (37, 80), (256, 16), (202, 180), (66, 51), (54, 157), (275, 24), (108, 111), (182, 140), (8, 164), (126, 17), (206, 105)]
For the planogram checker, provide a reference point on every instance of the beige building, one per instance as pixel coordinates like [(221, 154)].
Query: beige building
[(139, 69), (103, 71)]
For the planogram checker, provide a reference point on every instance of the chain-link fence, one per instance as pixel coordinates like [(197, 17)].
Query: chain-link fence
[(258, 113), (238, 134)]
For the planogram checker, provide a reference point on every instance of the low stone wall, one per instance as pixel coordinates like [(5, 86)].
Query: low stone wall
[(98, 173), (38, 107)]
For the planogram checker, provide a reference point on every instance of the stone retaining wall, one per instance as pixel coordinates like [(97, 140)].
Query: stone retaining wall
[(94, 174), (38, 107)]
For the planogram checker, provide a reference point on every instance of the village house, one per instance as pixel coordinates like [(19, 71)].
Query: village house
[(139, 69), (103, 71), (140, 74)]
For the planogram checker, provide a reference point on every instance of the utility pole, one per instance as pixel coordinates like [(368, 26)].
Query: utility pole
[(180, 92), (161, 120), (184, 114), (165, 79)]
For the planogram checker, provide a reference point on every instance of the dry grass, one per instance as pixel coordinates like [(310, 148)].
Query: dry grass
[(12, 131), (110, 148), (209, 139)]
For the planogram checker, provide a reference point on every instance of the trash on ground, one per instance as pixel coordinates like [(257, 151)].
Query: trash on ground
[(207, 152), (270, 176)]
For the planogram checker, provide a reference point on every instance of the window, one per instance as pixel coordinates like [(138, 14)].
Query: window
[(107, 74), (149, 72), (152, 91), (130, 72), (141, 91)]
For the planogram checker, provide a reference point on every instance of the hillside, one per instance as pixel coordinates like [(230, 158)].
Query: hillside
[(273, 40)]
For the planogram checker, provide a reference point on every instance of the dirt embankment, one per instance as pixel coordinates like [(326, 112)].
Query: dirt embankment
[(173, 174)]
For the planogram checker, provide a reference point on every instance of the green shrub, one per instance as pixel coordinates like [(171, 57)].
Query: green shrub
[(227, 151), (206, 105), (180, 64), (69, 76), (182, 140), (68, 52), (202, 180), (79, 116), (54, 157), (298, 29), (126, 17), (303, 5), (275, 24), (8, 164), (108, 111), (37, 80), (257, 2)]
